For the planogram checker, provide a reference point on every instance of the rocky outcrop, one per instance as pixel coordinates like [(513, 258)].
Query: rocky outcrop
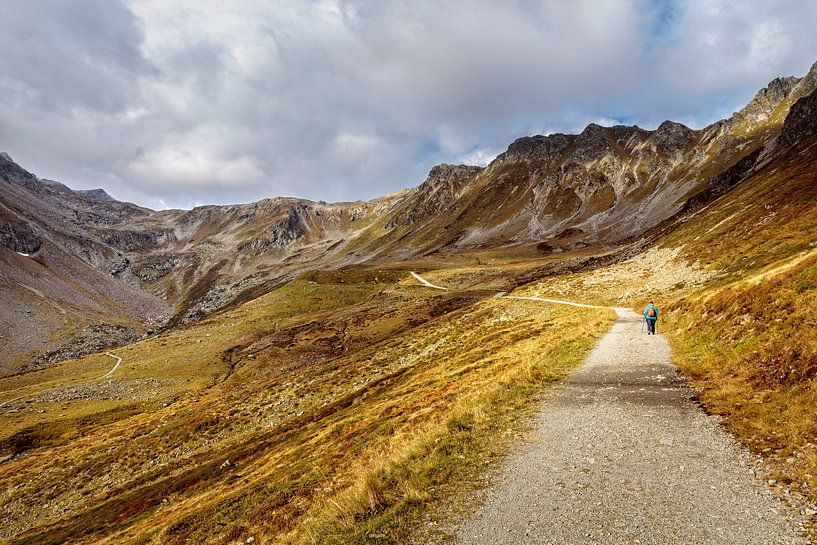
[(98, 194), (801, 121), (765, 101), (93, 338), (671, 139), (19, 238), (131, 240), (278, 237), (435, 195), (11, 172), (157, 266), (536, 148), (722, 183)]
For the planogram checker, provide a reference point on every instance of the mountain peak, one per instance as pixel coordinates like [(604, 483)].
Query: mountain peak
[(766, 100), (671, 136), (447, 168), (593, 129), (6, 157), (537, 146), (98, 194), (671, 126), (450, 176)]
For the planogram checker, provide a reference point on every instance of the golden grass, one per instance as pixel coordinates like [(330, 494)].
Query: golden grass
[(346, 412), (186, 359), (751, 348)]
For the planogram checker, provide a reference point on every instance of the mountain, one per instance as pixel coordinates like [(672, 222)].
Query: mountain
[(336, 399), (127, 265), (56, 274)]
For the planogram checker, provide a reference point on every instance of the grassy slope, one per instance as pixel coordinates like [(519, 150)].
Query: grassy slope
[(749, 340), (737, 283), (343, 402), (181, 360)]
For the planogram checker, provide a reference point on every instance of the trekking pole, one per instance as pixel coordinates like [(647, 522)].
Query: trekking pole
[(644, 321)]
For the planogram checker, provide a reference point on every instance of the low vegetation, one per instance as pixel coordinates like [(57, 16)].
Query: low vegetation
[(331, 410), (751, 349)]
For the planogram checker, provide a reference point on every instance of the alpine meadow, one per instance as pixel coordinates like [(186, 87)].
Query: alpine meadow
[(464, 361)]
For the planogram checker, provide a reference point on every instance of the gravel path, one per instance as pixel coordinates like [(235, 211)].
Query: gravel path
[(622, 455), (115, 367), (425, 282)]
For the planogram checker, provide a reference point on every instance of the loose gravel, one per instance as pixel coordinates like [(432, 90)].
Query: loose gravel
[(623, 455)]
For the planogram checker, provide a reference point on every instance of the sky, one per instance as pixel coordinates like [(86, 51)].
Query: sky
[(178, 103)]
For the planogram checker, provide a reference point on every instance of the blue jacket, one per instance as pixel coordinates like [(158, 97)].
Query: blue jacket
[(647, 310)]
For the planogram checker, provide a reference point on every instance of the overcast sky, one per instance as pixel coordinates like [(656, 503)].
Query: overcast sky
[(175, 103)]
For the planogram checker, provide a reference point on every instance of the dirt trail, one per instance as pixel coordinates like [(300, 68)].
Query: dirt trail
[(623, 455), (425, 282), (115, 367), (554, 301)]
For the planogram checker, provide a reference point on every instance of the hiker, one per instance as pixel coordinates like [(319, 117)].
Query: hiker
[(651, 316)]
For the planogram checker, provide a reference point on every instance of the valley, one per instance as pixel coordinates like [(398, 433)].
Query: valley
[(291, 371)]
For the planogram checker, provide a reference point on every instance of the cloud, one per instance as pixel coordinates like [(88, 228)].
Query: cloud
[(191, 101), (479, 156)]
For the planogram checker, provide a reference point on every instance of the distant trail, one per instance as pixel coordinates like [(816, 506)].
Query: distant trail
[(554, 301), (115, 367), (622, 454), (504, 295), (426, 283)]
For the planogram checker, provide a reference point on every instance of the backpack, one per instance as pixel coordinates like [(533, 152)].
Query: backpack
[(651, 312)]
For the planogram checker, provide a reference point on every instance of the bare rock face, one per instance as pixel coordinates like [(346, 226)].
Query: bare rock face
[(436, 194), (94, 338), (11, 172), (18, 237), (671, 138), (536, 148), (766, 100), (278, 236), (801, 121), (156, 266), (98, 194), (129, 240)]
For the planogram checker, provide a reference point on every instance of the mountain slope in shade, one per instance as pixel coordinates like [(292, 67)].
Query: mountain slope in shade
[(120, 263), (54, 274)]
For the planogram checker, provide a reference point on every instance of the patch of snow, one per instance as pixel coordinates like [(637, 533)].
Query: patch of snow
[(24, 255)]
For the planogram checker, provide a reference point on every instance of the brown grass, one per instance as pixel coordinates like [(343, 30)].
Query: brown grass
[(752, 351), (344, 404)]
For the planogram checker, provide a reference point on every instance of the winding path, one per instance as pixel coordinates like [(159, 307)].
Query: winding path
[(623, 455), (556, 301), (425, 282), (115, 367)]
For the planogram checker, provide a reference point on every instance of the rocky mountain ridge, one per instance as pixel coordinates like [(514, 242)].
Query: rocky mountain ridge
[(120, 263)]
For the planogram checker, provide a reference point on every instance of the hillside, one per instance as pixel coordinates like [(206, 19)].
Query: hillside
[(737, 279), (545, 194), (56, 277), (304, 387)]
